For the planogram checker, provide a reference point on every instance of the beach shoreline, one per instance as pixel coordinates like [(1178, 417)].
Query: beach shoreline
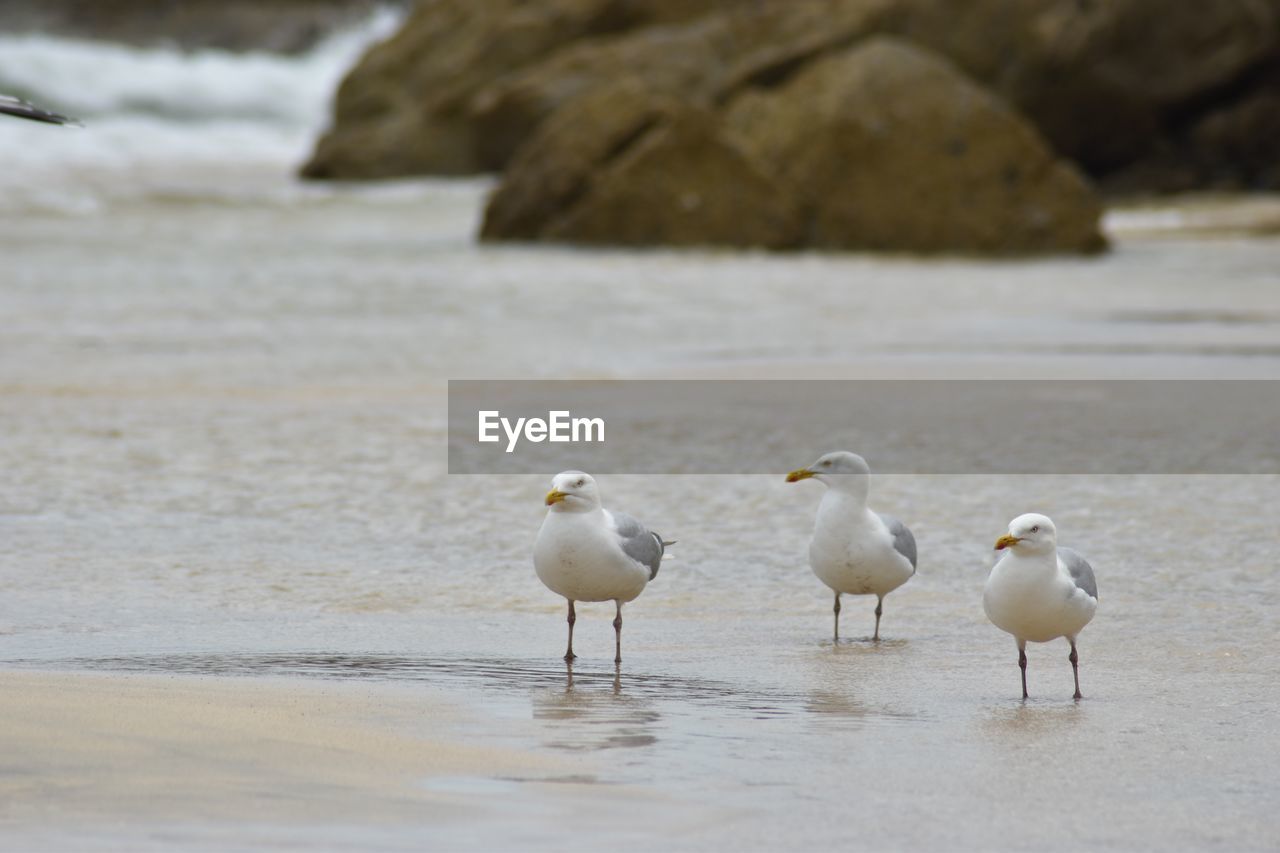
[(85, 749), (225, 420)]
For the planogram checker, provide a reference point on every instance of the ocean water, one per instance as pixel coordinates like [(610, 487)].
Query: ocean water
[(222, 416), (161, 122)]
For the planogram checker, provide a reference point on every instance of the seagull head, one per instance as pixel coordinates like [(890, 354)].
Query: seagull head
[(833, 469), (1031, 533), (573, 491)]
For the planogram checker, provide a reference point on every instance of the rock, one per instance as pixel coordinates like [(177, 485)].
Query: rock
[(403, 109), (1104, 80), (1163, 169), (682, 184), (627, 167), (699, 63), (554, 169), (889, 147), (1141, 93), (882, 146), (1237, 146), (1232, 146), (1110, 83)]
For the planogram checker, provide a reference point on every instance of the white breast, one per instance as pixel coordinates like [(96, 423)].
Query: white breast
[(852, 551), (1034, 598), (577, 555)]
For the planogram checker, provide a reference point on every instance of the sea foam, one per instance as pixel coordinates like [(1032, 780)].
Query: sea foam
[(163, 121)]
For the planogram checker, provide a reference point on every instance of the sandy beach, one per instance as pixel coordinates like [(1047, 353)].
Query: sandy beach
[(245, 606), (147, 747), (220, 761)]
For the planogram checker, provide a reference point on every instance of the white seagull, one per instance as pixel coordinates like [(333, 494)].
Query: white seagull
[(9, 105), (1038, 591), (585, 552), (854, 550)]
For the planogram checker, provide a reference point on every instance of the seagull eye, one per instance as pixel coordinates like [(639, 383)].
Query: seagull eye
[(826, 464), (579, 484), (1035, 529)]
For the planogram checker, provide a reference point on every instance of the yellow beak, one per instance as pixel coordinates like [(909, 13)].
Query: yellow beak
[(555, 496), (797, 476), (1006, 540)]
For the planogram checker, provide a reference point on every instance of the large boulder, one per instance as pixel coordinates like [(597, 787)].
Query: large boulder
[(1140, 93), (882, 146), (1237, 145), (555, 168), (683, 183), (1234, 145), (630, 167), (404, 109), (1109, 83), (700, 62), (890, 147), (1106, 80)]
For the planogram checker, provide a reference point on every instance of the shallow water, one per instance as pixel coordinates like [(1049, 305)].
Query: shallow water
[(222, 408), (224, 455)]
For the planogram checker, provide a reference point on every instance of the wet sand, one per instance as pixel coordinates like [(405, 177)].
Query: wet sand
[(143, 760), (245, 606), (746, 729), (153, 747)]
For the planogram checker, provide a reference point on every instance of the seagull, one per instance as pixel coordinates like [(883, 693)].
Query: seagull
[(9, 105), (854, 550), (585, 552), (1038, 591)]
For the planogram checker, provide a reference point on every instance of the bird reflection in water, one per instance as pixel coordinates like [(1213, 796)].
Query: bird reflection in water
[(617, 677), (587, 715)]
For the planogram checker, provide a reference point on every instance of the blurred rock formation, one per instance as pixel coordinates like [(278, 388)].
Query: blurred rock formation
[(915, 125)]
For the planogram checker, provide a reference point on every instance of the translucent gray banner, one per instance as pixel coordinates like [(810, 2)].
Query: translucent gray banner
[(905, 427)]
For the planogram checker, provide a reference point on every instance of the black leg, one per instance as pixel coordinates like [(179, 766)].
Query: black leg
[(879, 610), (1075, 667), (617, 632), (1022, 664), (835, 636), (573, 617)]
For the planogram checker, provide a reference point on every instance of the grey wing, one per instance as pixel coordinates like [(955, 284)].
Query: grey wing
[(20, 108), (903, 542), (1081, 571), (638, 542)]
